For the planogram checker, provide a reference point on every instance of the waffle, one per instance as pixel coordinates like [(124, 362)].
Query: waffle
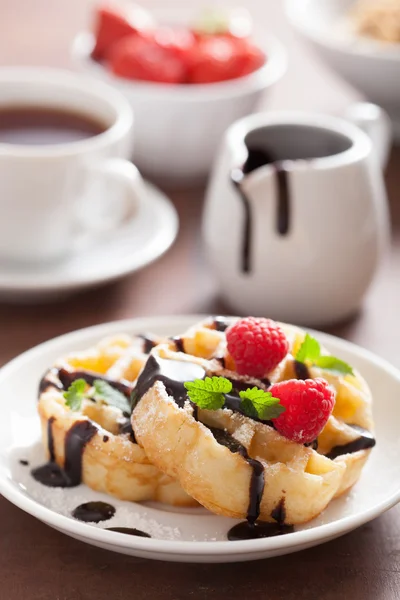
[(218, 456), (111, 461)]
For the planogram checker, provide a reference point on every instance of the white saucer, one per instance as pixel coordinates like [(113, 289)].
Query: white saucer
[(191, 535), (135, 245)]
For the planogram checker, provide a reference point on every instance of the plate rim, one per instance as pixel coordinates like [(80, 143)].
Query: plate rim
[(156, 201), (288, 542)]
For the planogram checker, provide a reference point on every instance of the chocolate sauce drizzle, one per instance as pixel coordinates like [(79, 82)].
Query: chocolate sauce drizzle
[(301, 370), (257, 476), (77, 437), (257, 158), (365, 441), (94, 512), (149, 342), (172, 373), (126, 427), (48, 380), (129, 531), (178, 341), (220, 324)]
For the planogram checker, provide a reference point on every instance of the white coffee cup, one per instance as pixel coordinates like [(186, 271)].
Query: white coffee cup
[(44, 189), (298, 239)]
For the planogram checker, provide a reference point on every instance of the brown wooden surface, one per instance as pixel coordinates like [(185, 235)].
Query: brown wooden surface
[(41, 564)]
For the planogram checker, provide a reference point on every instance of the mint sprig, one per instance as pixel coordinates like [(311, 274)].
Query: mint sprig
[(257, 403), (310, 351), (75, 394), (103, 392), (209, 394)]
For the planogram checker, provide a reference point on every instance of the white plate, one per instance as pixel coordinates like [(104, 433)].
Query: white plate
[(193, 535), (135, 245)]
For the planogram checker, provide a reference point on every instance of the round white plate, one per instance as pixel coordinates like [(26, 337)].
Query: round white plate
[(191, 535), (133, 246)]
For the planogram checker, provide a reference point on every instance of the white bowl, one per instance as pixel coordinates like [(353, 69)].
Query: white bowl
[(178, 127), (371, 66)]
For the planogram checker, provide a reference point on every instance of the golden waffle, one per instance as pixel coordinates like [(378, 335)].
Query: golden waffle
[(110, 460), (213, 453)]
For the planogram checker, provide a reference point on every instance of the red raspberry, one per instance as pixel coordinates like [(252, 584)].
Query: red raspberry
[(308, 404), (256, 345)]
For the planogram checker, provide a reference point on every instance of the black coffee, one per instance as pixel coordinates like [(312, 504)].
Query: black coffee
[(40, 126)]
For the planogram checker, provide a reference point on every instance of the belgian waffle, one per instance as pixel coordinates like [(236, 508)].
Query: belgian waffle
[(96, 444), (232, 464)]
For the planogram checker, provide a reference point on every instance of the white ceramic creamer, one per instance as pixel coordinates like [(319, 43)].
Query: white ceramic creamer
[(296, 217)]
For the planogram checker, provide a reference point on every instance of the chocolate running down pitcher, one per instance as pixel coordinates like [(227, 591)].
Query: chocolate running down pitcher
[(296, 217)]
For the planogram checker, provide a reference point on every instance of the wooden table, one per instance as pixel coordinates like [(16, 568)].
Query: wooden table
[(37, 563)]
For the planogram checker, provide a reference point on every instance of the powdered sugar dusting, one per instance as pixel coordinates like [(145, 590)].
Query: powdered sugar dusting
[(159, 521)]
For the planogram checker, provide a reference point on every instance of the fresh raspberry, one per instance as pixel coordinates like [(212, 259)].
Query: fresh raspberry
[(256, 345), (308, 405)]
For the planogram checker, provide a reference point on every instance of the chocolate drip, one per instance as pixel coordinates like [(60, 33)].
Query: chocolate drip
[(94, 512), (48, 380), (129, 531), (250, 531), (283, 212), (237, 177), (149, 342), (50, 439), (126, 427), (279, 512), (172, 373), (257, 476), (257, 158), (195, 413), (67, 377), (105, 438), (220, 324), (75, 442), (178, 341), (301, 370), (365, 441), (51, 475), (76, 439), (245, 531)]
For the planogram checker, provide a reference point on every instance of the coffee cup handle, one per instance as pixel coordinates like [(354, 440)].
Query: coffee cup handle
[(124, 174)]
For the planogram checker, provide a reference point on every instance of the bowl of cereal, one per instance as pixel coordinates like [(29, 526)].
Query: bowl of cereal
[(360, 40)]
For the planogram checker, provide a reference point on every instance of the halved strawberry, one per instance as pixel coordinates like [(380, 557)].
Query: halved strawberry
[(141, 58), (215, 58), (112, 25)]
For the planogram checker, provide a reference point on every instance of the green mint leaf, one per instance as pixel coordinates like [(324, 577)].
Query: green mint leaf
[(330, 363), (75, 394), (309, 349), (208, 393), (104, 392), (260, 404)]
